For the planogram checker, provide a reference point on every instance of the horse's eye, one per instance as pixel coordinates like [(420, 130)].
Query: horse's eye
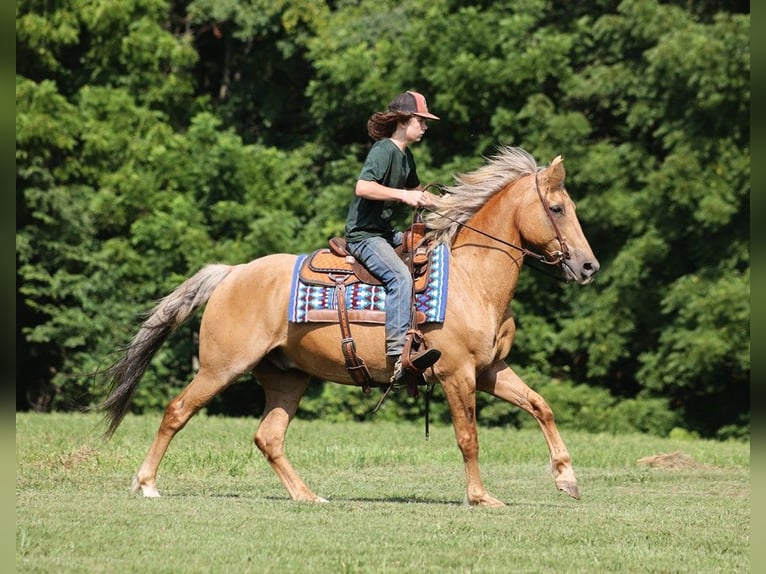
[(557, 209)]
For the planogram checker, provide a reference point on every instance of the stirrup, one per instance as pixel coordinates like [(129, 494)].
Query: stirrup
[(403, 377), (420, 361)]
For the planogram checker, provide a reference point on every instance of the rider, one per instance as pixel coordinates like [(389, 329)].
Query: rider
[(388, 176)]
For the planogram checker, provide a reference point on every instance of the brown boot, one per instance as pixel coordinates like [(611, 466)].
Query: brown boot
[(421, 360)]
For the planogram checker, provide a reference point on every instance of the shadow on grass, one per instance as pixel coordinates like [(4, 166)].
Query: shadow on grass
[(566, 503)]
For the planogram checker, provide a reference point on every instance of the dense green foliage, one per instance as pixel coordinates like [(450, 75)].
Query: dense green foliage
[(153, 137)]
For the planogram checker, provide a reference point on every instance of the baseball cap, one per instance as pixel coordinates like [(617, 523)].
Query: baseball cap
[(411, 103)]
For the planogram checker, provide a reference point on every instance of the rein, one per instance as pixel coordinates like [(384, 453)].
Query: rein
[(559, 255)]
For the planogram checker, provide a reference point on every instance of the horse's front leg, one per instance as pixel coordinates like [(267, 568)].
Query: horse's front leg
[(500, 381), (461, 396)]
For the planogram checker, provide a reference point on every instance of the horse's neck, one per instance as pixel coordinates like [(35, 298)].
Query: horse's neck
[(491, 263)]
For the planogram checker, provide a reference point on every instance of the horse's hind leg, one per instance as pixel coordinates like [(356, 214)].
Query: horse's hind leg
[(283, 391), (203, 387), (500, 381)]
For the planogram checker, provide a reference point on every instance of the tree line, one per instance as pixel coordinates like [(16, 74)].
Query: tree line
[(153, 137)]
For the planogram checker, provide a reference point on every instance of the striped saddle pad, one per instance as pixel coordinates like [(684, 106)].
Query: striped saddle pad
[(366, 303)]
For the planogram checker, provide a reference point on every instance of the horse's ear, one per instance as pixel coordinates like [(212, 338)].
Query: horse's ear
[(555, 173)]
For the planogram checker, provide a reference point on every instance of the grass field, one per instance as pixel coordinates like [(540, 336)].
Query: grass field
[(395, 502)]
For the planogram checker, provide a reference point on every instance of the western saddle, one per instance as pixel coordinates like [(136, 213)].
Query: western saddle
[(334, 266)]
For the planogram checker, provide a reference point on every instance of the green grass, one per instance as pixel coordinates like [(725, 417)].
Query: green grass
[(395, 502)]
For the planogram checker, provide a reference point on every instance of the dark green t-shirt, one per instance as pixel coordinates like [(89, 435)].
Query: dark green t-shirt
[(387, 165)]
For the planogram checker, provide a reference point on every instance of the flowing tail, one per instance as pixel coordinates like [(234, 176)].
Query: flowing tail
[(171, 312)]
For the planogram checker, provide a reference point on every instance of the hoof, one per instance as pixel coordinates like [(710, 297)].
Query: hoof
[(313, 498), (144, 490), (569, 488), (485, 501)]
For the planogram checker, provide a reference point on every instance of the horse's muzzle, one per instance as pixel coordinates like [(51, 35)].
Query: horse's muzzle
[(581, 272)]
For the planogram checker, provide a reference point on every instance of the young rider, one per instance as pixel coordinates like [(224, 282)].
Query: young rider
[(388, 178)]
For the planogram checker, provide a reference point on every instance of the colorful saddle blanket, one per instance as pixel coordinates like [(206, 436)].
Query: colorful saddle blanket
[(367, 303)]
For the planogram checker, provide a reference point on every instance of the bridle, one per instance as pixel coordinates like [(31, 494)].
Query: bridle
[(559, 256), (564, 253)]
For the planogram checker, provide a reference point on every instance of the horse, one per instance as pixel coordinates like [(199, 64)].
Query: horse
[(490, 219)]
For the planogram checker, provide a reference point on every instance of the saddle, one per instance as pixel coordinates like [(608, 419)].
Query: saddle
[(328, 265), (334, 266)]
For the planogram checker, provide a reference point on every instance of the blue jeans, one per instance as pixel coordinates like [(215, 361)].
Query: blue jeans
[(379, 257)]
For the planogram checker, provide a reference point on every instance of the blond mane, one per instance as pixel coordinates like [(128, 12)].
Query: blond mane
[(473, 189)]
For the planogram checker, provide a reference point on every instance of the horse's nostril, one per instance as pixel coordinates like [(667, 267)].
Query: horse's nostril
[(591, 266)]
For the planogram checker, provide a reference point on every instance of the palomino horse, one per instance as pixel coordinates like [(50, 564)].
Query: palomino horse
[(490, 218)]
